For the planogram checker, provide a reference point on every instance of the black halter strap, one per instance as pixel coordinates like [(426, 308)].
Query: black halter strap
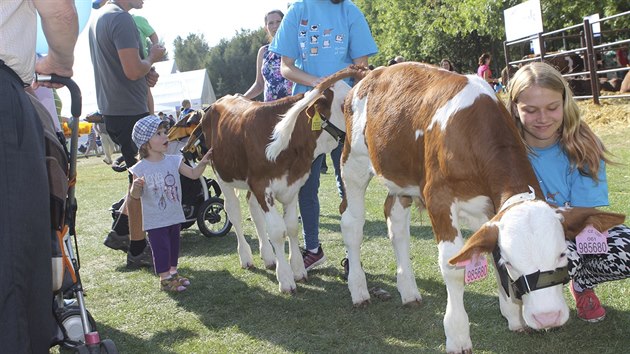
[(332, 129), (530, 282)]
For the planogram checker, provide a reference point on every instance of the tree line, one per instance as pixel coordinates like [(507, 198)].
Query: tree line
[(418, 30)]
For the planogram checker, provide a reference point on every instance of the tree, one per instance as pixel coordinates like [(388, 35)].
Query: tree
[(191, 53), (231, 64), (427, 30)]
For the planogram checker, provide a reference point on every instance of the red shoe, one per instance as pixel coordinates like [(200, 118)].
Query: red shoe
[(588, 306), (312, 260)]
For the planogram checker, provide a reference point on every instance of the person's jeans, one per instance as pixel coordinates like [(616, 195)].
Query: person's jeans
[(308, 201), (335, 156)]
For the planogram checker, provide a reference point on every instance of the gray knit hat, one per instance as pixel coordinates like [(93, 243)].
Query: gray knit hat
[(145, 129)]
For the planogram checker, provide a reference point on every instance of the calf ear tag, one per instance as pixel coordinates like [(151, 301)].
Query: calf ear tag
[(591, 241), (316, 122), (475, 269)]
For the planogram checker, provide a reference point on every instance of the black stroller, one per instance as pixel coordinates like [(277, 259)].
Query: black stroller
[(76, 329), (200, 198)]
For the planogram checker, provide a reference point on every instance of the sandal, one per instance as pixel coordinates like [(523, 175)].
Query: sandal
[(380, 293), (171, 285), (182, 280)]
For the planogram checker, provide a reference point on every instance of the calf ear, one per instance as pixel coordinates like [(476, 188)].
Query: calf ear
[(484, 240), (576, 219)]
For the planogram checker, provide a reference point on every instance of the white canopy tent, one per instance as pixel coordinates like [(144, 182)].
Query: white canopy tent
[(171, 89)]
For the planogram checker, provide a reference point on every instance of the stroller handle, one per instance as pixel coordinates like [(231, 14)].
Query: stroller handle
[(75, 92)]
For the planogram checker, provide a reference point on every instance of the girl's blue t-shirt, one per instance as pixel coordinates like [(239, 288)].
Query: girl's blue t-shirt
[(323, 37), (562, 184)]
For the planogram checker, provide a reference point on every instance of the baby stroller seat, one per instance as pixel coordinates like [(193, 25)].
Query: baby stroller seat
[(76, 328)]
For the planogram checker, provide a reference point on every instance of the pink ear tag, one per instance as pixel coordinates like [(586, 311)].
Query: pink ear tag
[(475, 269), (591, 241)]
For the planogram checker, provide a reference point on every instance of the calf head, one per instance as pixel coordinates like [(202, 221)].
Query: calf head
[(528, 240), (330, 108)]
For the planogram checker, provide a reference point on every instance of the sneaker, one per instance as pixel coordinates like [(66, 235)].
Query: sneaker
[(144, 259), (312, 260), (588, 306), (116, 241)]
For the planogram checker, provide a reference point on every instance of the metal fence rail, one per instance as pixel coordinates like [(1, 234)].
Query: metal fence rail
[(587, 50)]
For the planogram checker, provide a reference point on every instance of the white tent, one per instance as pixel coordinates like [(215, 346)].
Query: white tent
[(171, 89), (166, 67)]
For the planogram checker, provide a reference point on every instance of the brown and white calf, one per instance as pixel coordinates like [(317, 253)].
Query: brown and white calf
[(445, 139), (268, 149)]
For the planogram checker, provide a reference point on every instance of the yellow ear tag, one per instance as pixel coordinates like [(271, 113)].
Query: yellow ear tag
[(316, 122)]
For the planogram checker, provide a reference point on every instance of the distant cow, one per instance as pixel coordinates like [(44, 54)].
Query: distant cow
[(268, 148), (446, 140), (567, 63)]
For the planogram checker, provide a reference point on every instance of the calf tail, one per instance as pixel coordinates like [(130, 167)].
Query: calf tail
[(282, 132), (281, 135)]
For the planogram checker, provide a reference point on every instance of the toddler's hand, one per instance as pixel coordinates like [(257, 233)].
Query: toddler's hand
[(136, 188), (206, 158)]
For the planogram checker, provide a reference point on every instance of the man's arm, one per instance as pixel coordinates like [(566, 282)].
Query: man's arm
[(61, 27), (136, 68)]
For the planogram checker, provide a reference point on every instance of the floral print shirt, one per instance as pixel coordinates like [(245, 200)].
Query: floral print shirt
[(276, 86)]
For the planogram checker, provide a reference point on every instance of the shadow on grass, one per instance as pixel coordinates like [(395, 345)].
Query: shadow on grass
[(320, 316)]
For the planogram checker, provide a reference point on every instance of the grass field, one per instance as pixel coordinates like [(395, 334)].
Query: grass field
[(231, 310)]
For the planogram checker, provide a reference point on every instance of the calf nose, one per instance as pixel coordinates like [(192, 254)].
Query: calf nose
[(548, 319)]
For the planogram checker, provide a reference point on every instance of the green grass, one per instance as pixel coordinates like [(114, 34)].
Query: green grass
[(231, 310)]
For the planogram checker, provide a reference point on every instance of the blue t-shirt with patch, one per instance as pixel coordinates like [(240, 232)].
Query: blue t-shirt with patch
[(562, 184), (323, 37)]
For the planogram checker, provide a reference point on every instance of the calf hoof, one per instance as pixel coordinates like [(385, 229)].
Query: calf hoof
[(271, 266), (249, 266), (290, 291), (413, 304), (303, 279), (363, 304), (465, 351)]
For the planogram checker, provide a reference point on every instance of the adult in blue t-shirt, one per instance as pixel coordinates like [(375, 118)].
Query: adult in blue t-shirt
[(316, 39), (569, 161)]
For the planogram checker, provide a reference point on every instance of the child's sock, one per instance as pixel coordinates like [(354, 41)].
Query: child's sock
[(136, 247)]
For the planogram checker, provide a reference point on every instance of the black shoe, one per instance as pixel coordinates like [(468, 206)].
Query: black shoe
[(346, 268), (144, 259), (117, 242)]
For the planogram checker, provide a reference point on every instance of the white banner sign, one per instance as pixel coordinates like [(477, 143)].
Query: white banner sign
[(594, 26), (523, 20)]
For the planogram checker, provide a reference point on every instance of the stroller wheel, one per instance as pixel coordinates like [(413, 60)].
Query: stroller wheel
[(108, 346), (70, 319), (212, 218)]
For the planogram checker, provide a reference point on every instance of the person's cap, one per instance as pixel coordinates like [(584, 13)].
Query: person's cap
[(145, 129)]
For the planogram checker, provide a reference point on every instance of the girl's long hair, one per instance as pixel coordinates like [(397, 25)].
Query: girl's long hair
[(583, 148)]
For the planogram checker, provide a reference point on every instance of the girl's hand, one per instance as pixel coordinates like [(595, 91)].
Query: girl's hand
[(136, 188)]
